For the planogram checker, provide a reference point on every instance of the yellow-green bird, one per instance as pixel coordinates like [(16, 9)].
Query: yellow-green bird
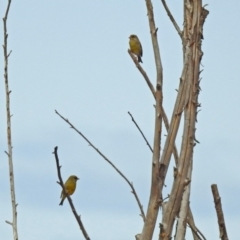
[(136, 46), (70, 186)]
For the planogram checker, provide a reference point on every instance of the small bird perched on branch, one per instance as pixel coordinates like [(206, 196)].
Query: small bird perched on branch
[(136, 46), (70, 186)]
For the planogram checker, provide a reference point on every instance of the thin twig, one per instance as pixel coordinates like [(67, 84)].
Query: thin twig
[(191, 223), (10, 223), (193, 227), (220, 215), (172, 18), (140, 131), (176, 154), (195, 231), (68, 197), (106, 159), (9, 134), (139, 67), (200, 233), (166, 198)]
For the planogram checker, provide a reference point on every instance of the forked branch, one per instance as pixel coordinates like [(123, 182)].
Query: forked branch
[(106, 159), (68, 197), (196, 232), (164, 115)]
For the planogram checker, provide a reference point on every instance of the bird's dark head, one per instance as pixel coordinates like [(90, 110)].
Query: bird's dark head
[(133, 36), (74, 177)]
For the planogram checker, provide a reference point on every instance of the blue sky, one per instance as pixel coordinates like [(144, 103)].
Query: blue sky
[(72, 56)]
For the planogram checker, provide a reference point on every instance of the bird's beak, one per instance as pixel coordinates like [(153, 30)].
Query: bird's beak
[(77, 178)]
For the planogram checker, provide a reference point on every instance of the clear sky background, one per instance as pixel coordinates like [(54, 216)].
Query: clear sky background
[(72, 56)]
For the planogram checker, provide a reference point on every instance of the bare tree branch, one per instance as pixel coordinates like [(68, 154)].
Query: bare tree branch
[(68, 197), (9, 131), (175, 150), (140, 131), (155, 195), (139, 67), (220, 215), (172, 18), (106, 159)]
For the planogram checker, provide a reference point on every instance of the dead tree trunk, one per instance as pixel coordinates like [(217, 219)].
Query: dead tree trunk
[(194, 17)]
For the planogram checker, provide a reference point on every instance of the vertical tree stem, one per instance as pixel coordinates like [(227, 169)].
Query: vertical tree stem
[(220, 216), (183, 214), (153, 205), (9, 135)]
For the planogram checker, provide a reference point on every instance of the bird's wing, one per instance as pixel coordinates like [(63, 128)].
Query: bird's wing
[(141, 52)]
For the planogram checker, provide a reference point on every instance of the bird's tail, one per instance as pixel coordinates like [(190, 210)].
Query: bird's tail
[(140, 59), (61, 203)]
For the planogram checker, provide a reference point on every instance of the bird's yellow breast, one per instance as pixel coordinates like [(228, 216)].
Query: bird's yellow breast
[(135, 47), (70, 186)]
